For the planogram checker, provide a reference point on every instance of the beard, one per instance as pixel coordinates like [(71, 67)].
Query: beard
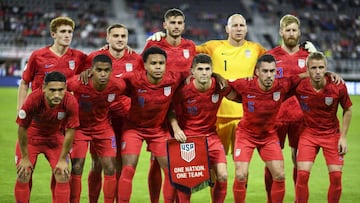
[(291, 42)]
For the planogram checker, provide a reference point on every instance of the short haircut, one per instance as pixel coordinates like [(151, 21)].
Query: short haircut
[(288, 19), (173, 12), (57, 22), (54, 76), (201, 58), (101, 58), (116, 25), (153, 50), (316, 56), (265, 58)]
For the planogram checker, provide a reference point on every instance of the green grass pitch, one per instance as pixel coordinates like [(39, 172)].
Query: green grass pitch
[(318, 184)]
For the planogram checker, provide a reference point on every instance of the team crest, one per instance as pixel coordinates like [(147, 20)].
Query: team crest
[(186, 53), (72, 64), (328, 100), (187, 151), (247, 53), (111, 97), (61, 115), (215, 98), (167, 90), (276, 96), (301, 63), (129, 67)]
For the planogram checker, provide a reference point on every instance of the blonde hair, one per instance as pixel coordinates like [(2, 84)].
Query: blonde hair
[(288, 19), (57, 22), (316, 56)]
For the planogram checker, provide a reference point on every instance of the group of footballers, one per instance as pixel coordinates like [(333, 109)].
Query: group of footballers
[(120, 99)]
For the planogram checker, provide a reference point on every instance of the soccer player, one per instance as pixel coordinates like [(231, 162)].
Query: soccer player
[(232, 58), (319, 99), (56, 57), (290, 60), (261, 100), (151, 93), (94, 100), (199, 117), (122, 61), (180, 52), (41, 120)]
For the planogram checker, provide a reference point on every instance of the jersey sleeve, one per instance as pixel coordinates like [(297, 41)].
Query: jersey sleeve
[(345, 100)]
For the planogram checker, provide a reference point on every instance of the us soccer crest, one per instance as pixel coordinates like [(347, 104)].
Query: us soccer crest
[(61, 115), (167, 90), (301, 63), (187, 151), (276, 96), (129, 67), (215, 98), (111, 97), (328, 100), (72, 64), (186, 53)]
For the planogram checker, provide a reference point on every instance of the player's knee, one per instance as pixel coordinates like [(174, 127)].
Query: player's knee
[(77, 166), (61, 178), (222, 177), (279, 175), (241, 176), (24, 179)]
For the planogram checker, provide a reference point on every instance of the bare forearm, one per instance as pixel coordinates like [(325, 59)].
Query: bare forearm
[(68, 140), (22, 93), (23, 142), (346, 121)]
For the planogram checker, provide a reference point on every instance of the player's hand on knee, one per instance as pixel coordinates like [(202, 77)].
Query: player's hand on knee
[(24, 169), (156, 36)]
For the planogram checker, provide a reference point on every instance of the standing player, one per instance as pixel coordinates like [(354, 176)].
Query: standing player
[(56, 57), (151, 93), (122, 61), (199, 117), (41, 119), (180, 52), (261, 99), (94, 100), (290, 60), (319, 99), (232, 58)]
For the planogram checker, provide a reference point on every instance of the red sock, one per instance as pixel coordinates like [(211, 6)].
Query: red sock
[(94, 185), (52, 186), (22, 192), (75, 188), (168, 189), (183, 197), (125, 183), (154, 181), (302, 189), (294, 175), (239, 191), (62, 192), (109, 188), (219, 191), (268, 183), (335, 188), (278, 191)]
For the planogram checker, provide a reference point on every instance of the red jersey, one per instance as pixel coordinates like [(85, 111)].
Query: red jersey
[(43, 61), (127, 63), (286, 66), (261, 107), (150, 102), (94, 105), (179, 58), (198, 109), (320, 108), (44, 122)]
